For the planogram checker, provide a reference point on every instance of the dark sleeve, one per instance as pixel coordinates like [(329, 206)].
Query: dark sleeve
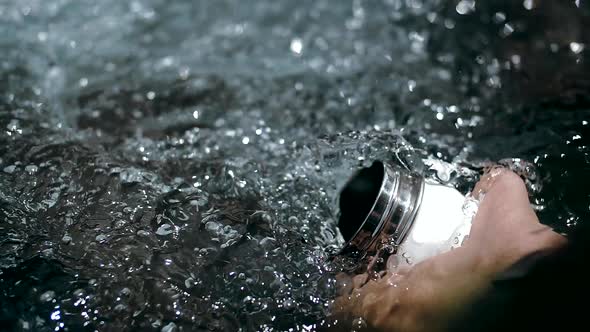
[(542, 292)]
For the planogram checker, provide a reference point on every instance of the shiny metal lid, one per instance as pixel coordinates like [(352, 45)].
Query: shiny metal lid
[(377, 206)]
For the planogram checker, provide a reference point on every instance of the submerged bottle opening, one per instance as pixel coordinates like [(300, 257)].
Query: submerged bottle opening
[(358, 197), (378, 206)]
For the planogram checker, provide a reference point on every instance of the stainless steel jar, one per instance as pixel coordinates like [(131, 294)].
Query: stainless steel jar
[(387, 207)]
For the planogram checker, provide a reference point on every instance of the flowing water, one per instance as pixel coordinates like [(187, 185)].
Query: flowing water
[(175, 165)]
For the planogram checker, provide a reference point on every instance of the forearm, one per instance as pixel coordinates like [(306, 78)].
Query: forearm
[(431, 294)]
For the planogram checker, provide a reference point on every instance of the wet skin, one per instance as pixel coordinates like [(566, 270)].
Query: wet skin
[(429, 295)]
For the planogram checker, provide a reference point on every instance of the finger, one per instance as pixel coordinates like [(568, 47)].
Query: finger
[(487, 180)]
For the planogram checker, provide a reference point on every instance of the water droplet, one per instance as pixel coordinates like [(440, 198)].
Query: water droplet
[(101, 238), (266, 241), (66, 239), (288, 303), (212, 227), (392, 262), (171, 327), (120, 307), (165, 229), (507, 30), (48, 296), (266, 218), (142, 232), (31, 169), (576, 48), (296, 46), (9, 169), (25, 325), (359, 323), (56, 315), (42, 36), (184, 73), (465, 7)]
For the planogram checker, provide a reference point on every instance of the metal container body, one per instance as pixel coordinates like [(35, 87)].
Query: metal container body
[(440, 225), (383, 206)]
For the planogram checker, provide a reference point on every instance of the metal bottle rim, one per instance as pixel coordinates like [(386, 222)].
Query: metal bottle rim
[(391, 215)]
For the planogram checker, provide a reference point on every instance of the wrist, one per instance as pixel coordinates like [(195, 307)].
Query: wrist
[(492, 262)]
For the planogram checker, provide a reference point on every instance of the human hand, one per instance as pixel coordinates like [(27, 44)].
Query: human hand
[(428, 295)]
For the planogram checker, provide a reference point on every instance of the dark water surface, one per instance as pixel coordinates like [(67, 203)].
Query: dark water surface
[(174, 165)]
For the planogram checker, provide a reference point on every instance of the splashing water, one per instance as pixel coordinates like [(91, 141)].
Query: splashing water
[(175, 166)]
